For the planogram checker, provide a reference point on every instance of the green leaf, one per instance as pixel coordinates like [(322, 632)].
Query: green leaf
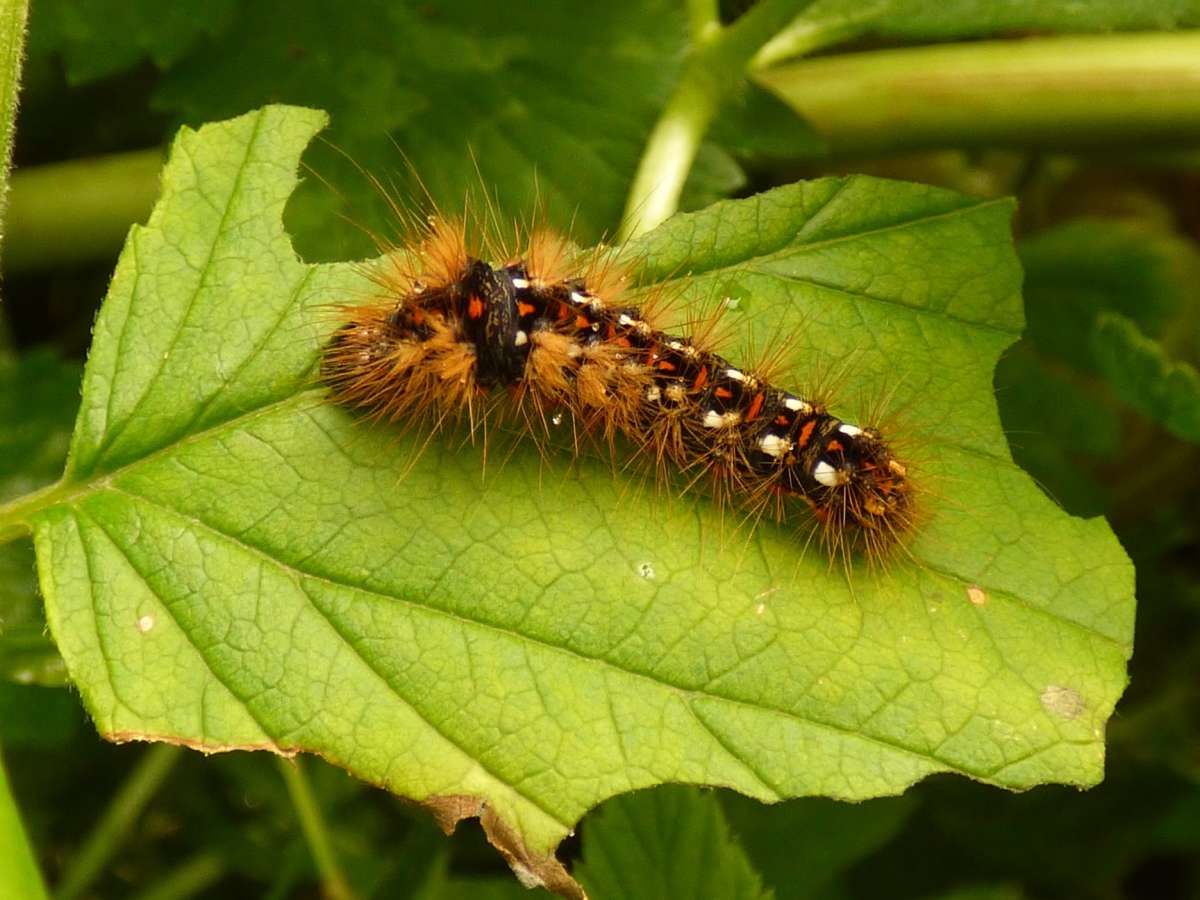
[(672, 841), (232, 562), (101, 37), (1145, 377), (539, 102), (1077, 273), (1079, 269), (800, 847)]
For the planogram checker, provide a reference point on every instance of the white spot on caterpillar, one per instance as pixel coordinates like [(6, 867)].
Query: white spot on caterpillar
[(145, 623), (849, 430), (623, 319), (797, 405), (735, 375), (827, 475), (520, 283), (578, 298), (774, 445), (653, 394), (521, 339), (674, 345), (714, 419), (646, 571)]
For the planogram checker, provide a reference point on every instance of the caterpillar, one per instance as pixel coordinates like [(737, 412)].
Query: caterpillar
[(452, 337)]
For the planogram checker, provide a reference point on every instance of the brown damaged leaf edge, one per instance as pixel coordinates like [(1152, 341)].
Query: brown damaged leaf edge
[(129, 737), (532, 869)]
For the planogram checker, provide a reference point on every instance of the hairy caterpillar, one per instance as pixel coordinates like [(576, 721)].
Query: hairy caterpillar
[(452, 336)]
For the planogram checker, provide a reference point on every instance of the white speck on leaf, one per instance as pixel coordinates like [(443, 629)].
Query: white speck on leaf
[(145, 623)]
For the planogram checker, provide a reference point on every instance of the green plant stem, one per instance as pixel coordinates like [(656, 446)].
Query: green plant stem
[(805, 36), (118, 820), (13, 17), (333, 883), (714, 69), (78, 211), (16, 514), (704, 20), (1134, 90), (19, 874), (189, 878)]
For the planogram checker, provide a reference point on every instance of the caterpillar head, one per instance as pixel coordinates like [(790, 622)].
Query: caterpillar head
[(861, 493)]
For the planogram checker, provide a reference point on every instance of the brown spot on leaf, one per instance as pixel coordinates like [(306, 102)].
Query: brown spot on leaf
[(1064, 702), (977, 595)]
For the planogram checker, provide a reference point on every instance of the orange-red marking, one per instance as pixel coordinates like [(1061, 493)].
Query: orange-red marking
[(475, 307), (724, 393), (806, 433), (756, 406), (701, 379), (834, 446), (526, 309)]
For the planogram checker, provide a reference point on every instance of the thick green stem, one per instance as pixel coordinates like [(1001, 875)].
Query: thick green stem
[(118, 820), (19, 873), (333, 883), (78, 211), (714, 70), (1134, 90)]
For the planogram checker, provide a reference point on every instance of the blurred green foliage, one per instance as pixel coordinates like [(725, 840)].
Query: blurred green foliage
[(1099, 401)]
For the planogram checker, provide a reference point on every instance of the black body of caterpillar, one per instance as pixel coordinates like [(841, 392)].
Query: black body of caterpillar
[(440, 342)]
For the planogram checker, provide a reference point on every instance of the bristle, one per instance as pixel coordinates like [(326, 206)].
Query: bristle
[(548, 333)]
